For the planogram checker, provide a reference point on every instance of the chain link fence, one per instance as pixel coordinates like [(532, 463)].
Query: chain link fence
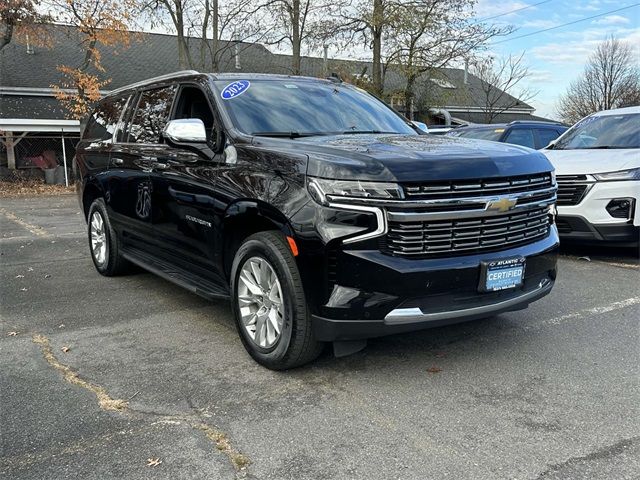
[(43, 156)]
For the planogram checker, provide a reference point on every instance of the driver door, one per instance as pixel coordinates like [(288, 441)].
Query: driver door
[(183, 219)]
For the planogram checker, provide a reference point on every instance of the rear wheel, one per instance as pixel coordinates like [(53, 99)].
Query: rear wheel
[(269, 304), (103, 242)]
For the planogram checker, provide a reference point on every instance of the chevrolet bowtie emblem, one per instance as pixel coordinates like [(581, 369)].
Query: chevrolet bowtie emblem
[(502, 205)]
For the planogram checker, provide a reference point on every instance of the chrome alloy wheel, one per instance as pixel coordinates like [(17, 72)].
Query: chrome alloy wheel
[(260, 302), (98, 238)]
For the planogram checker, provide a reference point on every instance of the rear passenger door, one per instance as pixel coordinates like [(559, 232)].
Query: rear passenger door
[(134, 157)]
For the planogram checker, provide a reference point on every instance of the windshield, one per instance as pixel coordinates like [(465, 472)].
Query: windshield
[(292, 107), (606, 131), (480, 133)]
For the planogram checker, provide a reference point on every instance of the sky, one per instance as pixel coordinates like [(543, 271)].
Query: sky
[(558, 56)]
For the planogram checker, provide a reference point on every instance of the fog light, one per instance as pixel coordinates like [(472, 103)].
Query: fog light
[(620, 208)]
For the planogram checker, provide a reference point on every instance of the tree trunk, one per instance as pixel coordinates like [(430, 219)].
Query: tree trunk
[(295, 37), (215, 34), (7, 34), (376, 32), (203, 34), (408, 96)]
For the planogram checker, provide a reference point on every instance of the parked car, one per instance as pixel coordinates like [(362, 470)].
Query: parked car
[(598, 167), (532, 134), (320, 212)]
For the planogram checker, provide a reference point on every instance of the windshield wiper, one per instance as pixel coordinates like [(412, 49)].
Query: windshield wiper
[(289, 134), (358, 132), (603, 147)]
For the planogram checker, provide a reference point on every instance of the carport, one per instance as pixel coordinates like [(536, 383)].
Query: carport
[(32, 143)]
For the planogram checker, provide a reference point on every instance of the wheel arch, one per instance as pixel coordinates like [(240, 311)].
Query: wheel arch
[(90, 192), (244, 218)]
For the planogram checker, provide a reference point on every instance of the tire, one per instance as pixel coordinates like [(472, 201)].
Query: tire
[(295, 345), (111, 262)]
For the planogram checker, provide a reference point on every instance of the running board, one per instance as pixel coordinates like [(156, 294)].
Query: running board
[(185, 279)]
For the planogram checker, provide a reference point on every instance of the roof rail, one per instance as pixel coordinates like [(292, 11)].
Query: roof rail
[(149, 81), (552, 122)]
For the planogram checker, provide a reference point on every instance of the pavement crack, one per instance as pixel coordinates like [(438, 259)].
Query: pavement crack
[(218, 438), (603, 453), (34, 229), (104, 400)]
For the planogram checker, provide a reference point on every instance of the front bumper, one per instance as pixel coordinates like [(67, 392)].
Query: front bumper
[(589, 220), (593, 207), (375, 294)]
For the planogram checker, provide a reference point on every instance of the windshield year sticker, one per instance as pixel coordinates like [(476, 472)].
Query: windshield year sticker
[(235, 89)]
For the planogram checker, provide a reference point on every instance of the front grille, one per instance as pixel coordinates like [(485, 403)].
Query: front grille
[(467, 235), (570, 189), (474, 188)]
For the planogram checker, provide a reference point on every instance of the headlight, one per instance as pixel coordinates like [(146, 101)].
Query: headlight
[(324, 191), (632, 174)]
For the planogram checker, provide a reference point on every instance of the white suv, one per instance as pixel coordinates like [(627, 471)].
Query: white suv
[(597, 165)]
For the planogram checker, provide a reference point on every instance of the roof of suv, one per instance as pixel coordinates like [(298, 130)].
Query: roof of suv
[(528, 123), (618, 111), (214, 76)]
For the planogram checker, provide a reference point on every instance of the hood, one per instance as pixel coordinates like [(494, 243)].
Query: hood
[(413, 158), (584, 161)]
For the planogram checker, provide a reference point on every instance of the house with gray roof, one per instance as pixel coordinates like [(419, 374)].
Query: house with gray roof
[(29, 109)]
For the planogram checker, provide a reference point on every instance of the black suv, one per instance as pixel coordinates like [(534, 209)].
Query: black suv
[(532, 134), (322, 213)]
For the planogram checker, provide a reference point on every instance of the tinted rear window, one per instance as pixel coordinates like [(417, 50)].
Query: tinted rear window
[(102, 124), (481, 133)]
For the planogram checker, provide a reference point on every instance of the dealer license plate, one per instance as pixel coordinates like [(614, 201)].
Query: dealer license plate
[(502, 274)]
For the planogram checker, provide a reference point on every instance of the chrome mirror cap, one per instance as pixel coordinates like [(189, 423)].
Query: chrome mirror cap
[(185, 130)]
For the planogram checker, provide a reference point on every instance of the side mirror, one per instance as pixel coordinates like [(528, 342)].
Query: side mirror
[(188, 133), (421, 126), (185, 130)]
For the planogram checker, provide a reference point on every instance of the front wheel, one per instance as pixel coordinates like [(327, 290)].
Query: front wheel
[(269, 304)]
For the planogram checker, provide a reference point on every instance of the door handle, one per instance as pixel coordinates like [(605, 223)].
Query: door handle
[(117, 161)]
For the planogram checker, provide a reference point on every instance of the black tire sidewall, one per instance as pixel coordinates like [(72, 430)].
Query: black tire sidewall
[(255, 247), (107, 267)]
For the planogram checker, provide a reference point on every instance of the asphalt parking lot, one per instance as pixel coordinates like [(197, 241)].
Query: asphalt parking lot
[(132, 377)]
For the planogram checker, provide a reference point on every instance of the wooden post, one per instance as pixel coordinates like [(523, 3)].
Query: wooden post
[(11, 153), (10, 143)]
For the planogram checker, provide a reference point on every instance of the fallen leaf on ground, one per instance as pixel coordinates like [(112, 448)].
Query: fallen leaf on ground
[(61, 325), (584, 258), (12, 334), (65, 349), (153, 462), (434, 369), (47, 276), (440, 354), (30, 269), (19, 276), (24, 289)]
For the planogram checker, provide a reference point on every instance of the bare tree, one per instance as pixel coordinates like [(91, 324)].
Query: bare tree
[(430, 34), (22, 18), (301, 23), (502, 84), (611, 79)]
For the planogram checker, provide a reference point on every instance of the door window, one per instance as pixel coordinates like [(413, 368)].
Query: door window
[(102, 124), (151, 115), (546, 136), (521, 136), (192, 103)]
